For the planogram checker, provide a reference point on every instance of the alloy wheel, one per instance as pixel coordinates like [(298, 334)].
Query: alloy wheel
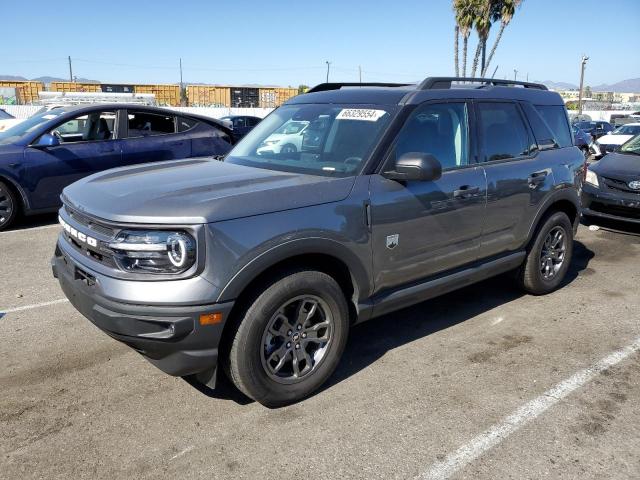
[(297, 339), (6, 205), (553, 252)]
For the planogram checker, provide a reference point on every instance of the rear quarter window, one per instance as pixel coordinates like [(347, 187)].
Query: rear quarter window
[(556, 118)]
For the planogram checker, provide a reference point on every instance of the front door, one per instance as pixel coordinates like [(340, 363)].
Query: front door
[(420, 229), (88, 144)]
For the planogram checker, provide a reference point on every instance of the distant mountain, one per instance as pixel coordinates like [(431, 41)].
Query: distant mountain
[(559, 85), (631, 85), (45, 79), (12, 78)]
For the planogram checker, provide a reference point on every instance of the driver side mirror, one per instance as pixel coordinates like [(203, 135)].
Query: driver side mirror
[(47, 140), (421, 167)]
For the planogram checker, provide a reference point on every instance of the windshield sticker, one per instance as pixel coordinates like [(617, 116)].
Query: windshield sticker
[(364, 114)]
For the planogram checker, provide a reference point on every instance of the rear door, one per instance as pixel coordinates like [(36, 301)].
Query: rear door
[(420, 229), (89, 144), (519, 176), (153, 137)]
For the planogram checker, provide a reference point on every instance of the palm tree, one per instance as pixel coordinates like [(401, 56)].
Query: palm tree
[(482, 24), (465, 11), (503, 11), (455, 50)]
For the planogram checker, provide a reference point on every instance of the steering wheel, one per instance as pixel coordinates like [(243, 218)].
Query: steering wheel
[(58, 135)]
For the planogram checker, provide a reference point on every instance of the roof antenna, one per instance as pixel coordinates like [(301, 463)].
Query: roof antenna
[(494, 72)]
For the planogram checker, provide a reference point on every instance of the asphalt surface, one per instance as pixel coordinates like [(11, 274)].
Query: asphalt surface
[(414, 387)]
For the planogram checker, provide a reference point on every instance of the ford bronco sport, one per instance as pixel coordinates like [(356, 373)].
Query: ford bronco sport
[(262, 262)]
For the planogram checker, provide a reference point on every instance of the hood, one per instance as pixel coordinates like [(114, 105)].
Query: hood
[(613, 139), (620, 165), (198, 190)]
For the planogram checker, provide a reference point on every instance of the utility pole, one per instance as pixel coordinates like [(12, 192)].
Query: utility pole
[(328, 65), (180, 72), (360, 72), (515, 74), (70, 70), (583, 63), (182, 92)]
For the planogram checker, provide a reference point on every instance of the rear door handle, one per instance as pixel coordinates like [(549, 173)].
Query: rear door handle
[(465, 191), (537, 178)]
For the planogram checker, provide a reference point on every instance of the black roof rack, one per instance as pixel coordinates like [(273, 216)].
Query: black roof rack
[(433, 83), (337, 86)]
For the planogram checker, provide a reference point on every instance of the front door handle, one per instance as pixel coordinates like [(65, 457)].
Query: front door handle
[(465, 191), (537, 178)]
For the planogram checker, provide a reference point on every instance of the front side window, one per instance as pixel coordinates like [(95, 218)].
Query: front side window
[(502, 131), (143, 124), (556, 118), (91, 127), (316, 139), (437, 129), (632, 147)]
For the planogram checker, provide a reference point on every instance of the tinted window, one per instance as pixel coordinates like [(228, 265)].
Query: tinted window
[(143, 124), (90, 127), (185, 124), (502, 131), (556, 119), (252, 121), (238, 122), (437, 129)]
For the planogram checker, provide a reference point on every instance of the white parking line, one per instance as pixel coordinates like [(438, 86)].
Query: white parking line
[(528, 412), (29, 307)]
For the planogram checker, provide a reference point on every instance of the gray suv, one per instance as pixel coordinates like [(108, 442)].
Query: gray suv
[(262, 262)]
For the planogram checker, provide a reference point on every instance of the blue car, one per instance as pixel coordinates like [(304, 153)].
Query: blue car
[(45, 153), (581, 139)]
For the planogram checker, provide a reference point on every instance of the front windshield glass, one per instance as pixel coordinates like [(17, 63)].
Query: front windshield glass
[(329, 140), (627, 130), (632, 146), (30, 124)]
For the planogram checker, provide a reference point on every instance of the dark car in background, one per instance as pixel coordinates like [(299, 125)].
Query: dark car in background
[(4, 115), (596, 128), (581, 139), (612, 186), (240, 124), (52, 149)]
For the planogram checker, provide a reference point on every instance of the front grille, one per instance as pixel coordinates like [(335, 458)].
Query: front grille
[(609, 148), (617, 210), (619, 185), (89, 222)]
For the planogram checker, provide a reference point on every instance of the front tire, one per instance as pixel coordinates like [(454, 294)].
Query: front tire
[(8, 206), (549, 256), (290, 339)]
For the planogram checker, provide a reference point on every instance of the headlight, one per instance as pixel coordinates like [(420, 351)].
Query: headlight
[(154, 251), (592, 178)]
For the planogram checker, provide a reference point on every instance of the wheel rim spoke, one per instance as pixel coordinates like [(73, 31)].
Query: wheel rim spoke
[(296, 339), (552, 254)]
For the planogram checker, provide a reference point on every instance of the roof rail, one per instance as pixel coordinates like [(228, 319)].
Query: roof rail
[(337, 86), (432, 83)]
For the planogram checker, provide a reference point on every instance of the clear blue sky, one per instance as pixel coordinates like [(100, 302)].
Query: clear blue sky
[(286, 43)]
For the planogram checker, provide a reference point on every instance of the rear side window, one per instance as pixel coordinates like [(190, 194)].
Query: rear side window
[(556, 118), (143, 124), (252, 122), (185, 124), (502, 131)]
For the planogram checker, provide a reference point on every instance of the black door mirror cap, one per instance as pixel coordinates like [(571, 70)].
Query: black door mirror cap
[(416, 166)]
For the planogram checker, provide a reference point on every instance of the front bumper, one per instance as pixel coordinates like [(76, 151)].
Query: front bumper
[(612, 206), (170, 337)]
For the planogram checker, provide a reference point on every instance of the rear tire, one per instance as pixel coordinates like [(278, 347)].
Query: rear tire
[(290, 339), (549, 256), (8, 206), (288, 148)]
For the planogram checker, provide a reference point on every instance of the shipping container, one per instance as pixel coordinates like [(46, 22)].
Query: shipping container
[(275, 96), (166, 94), (26, 91), (208, 96), (245, 97), (74, 87), (117, 88)]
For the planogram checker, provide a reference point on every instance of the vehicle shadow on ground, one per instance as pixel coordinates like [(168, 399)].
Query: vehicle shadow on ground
[(616, 226), (369, 341), (41, 220)]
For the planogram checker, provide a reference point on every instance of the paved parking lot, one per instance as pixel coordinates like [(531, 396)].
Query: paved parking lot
[(482, 383)]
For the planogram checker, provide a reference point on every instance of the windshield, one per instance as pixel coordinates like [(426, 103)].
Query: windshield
[(632, 146), (585, 125), (327, 140), (30, 124), (627, 130)]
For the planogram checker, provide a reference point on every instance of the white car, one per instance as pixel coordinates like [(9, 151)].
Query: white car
[(611, 142), (287, 139), (7, 121)]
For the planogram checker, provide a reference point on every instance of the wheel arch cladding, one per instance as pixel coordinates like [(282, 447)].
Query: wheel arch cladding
[(563, 201), (23, 203)]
